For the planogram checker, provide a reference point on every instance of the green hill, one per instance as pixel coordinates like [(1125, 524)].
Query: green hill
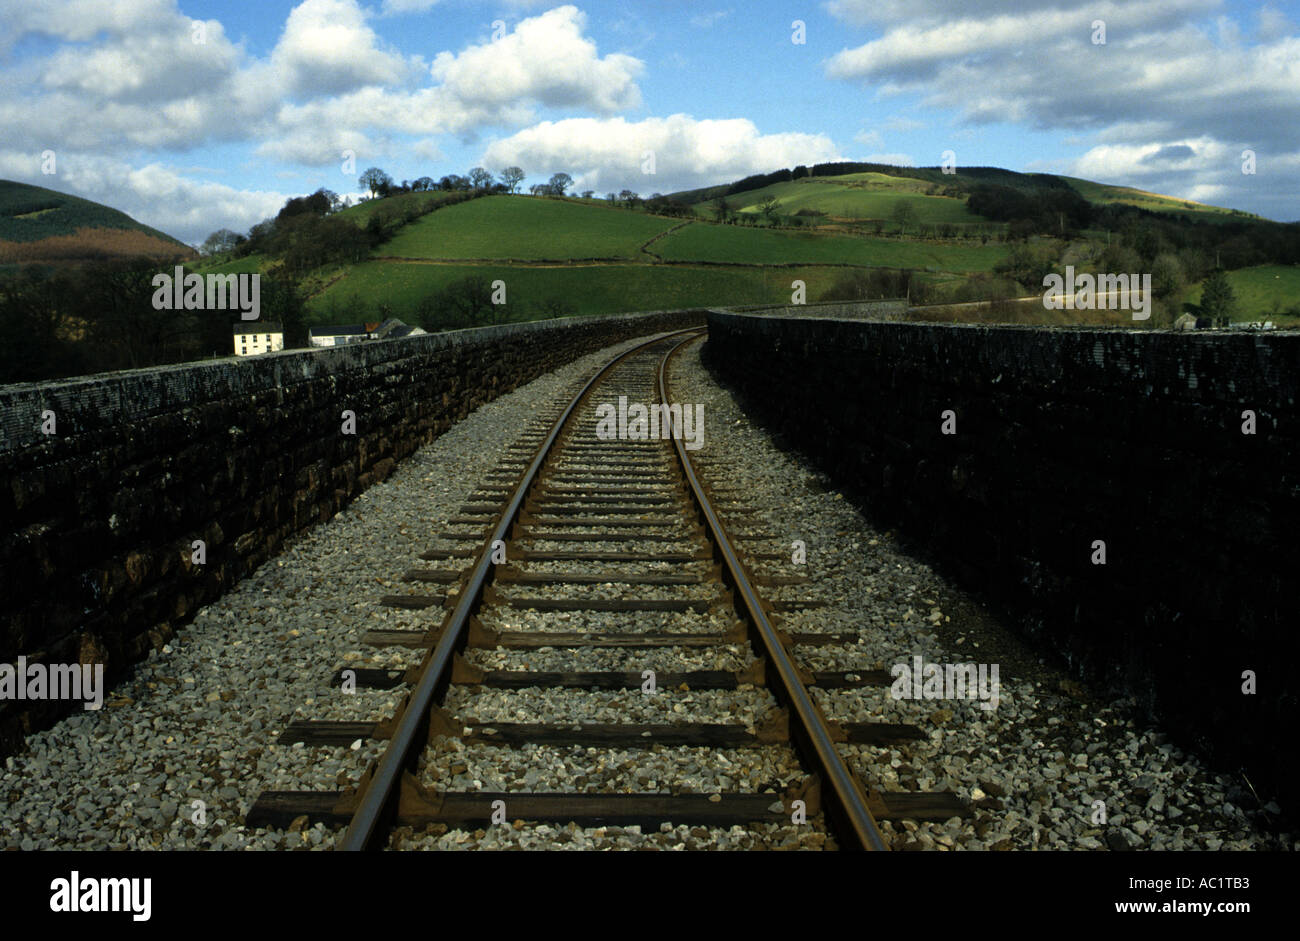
[(834, 232), (526, 228), (584, 257), (857, 196), (39, 225)]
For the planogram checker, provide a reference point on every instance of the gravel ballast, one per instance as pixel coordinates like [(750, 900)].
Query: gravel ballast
[(1033, 768), (181, 749), (184, 746)]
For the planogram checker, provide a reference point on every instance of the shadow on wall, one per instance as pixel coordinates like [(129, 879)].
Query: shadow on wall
[(1014, 454)]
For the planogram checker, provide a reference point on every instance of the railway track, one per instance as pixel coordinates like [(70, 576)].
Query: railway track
[(580, 551)]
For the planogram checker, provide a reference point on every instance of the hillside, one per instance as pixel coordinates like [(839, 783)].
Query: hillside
[(576, 256), (857, 196), (39, 225), (432, 257)]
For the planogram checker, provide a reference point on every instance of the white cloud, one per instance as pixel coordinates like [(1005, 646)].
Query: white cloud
[(327, 85), (610, 153), (81, 20), (1273, 24), (546, 59), (145, 65), (327, 48), (1170, 74)]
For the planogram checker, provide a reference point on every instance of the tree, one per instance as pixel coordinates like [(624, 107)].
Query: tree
[(467, 302), (559, 182), (1027, 264), (1218, 303), (587, 194), (1166, 275), (768, 207), (220, 242), (479, 178), (318, 203), (512, 177), (331, 199), (721, 211), (904, 214), (259, 237), (423, 184), (37, 326), (375, 180), (629, 198), (876, 283), (128, 330)]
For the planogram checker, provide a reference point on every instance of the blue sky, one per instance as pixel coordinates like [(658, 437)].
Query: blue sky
[(193, 115)]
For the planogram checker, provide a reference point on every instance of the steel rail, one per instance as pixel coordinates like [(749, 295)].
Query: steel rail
[(379, 799), (846, 802)]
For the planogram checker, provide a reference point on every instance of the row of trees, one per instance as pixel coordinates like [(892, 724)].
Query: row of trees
[(381, 185), (877, 283)]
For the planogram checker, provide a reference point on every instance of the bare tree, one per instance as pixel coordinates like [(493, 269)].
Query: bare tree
[(512, 177)]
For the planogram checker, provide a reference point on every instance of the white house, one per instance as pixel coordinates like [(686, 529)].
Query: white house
[(340, 335), (254, 338)]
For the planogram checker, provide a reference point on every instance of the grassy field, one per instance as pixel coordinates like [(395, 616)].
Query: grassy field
[(1259, 289), (526, 228), (721, 243), (598, 289), (864, 196)]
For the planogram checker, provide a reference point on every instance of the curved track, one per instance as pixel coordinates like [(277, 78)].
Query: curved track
[(630, 533)]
